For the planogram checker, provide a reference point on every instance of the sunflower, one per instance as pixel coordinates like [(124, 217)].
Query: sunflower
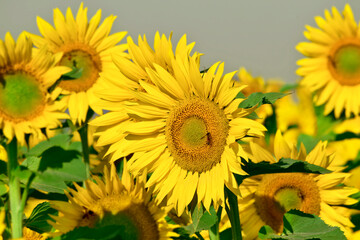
[(25, 77), (332, 69), (265, 198), (87, 47), (184, 129), (124, 198)]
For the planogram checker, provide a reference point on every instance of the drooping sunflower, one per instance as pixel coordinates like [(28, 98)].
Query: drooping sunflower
[(183, 128), (265, 198), (332, 66), (125, 198), (25, 77), (87, 47)]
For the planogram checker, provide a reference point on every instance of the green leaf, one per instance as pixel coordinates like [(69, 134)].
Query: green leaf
[(60, 140), (39, 217), (240, 95), (308, 141), (48, 183), (226, 234), (104, 233), (3, 188), (282, 166), (56, 167), (32, 163), (299, 226), (266, 232), (259, 99), (325, 124), (253, 116), (201, 220), (3, 167), (289, 87)]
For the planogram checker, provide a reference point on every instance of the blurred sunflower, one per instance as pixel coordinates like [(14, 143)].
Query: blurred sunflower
[(290, 112), (349, 125), (25, 77), (265, 198), (184, 129), (346, 150), (332, 68), (258, 84), (127, 200), (87, 48)]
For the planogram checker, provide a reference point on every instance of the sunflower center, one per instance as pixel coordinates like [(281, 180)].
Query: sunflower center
[(21, 97), (196, 132), (288, 198), (135, 216), (81, 57), (281, 192), (344, 62), (347, 60), (193, 132)]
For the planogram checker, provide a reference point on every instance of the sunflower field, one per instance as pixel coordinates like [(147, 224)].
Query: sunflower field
[(105, 136)]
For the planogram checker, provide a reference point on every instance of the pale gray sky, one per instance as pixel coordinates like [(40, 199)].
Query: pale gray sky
[(258, 34)]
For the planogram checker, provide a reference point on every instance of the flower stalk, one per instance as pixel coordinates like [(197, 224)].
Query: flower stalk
[(233, 212), (83, 131), (14, 190)]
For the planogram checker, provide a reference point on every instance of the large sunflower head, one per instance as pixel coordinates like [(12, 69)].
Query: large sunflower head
[(332, 66), (183, 128), (122, 201), (25, 77), (87, 48), (265, 198)]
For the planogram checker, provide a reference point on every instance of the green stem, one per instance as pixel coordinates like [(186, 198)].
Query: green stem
[(214, 230), (14, 190), (233, 213), (83, 131)]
